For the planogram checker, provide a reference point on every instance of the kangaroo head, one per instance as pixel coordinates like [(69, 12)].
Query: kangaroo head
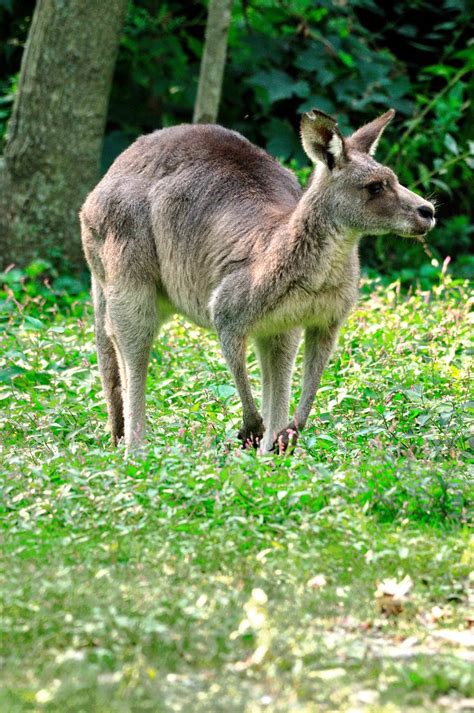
[(361, 196)]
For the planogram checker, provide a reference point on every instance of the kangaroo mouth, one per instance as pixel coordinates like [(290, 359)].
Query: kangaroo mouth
[(418, 231), (413, 235)]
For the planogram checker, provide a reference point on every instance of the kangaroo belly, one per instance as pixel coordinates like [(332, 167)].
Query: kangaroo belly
[(186, 283), (185, 302)]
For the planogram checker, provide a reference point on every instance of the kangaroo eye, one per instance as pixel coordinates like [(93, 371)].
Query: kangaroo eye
[(374, 188)]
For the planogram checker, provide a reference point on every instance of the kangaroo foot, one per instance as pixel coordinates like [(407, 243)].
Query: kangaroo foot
[(251, 433), (286, 439)]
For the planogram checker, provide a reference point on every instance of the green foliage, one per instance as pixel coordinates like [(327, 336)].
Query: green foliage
[(429, 136), (15, 19), (168, 579), (7, 95), (156, 73)]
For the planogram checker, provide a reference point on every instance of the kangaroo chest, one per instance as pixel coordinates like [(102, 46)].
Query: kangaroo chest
[(310, 303), (301, 308)]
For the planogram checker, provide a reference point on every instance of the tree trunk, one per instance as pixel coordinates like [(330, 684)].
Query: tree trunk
[(52, 153), (213, 62)]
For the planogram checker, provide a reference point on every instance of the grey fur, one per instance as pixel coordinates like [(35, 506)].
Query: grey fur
[(197, 220)]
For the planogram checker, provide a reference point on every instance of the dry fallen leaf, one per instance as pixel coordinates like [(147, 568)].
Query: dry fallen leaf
[(317, 582), (437, 613), (455, 705), (391, 595), (454, 636), (329, 674)]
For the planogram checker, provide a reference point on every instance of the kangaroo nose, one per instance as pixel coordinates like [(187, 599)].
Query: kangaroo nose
[(426, 211)]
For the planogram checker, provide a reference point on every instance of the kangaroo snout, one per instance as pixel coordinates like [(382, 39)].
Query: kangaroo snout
[(419, 214), (426, 216), (426, 211)]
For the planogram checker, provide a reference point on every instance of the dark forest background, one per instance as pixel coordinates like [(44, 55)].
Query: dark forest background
[(351, 59)]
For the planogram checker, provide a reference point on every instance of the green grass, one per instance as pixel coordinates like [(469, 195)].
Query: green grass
[(180, 582)]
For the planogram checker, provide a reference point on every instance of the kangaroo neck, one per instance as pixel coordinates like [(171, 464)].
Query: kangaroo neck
[(318, 245)]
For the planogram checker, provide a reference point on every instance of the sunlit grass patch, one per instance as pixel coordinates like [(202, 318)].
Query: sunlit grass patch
[(206, 576)]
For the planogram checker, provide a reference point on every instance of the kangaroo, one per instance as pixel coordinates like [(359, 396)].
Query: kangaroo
[(196, 220)]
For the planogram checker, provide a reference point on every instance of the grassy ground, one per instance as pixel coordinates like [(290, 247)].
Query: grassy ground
[(206, 578)]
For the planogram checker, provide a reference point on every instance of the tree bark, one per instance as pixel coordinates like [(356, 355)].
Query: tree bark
[(52, 153), (213, 62)]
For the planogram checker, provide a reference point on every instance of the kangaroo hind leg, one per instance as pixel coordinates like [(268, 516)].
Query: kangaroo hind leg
[(131, 325), (108, 365)]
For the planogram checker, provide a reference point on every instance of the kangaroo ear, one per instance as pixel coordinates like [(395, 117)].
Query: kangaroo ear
[(367, 137), (321, 139)]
